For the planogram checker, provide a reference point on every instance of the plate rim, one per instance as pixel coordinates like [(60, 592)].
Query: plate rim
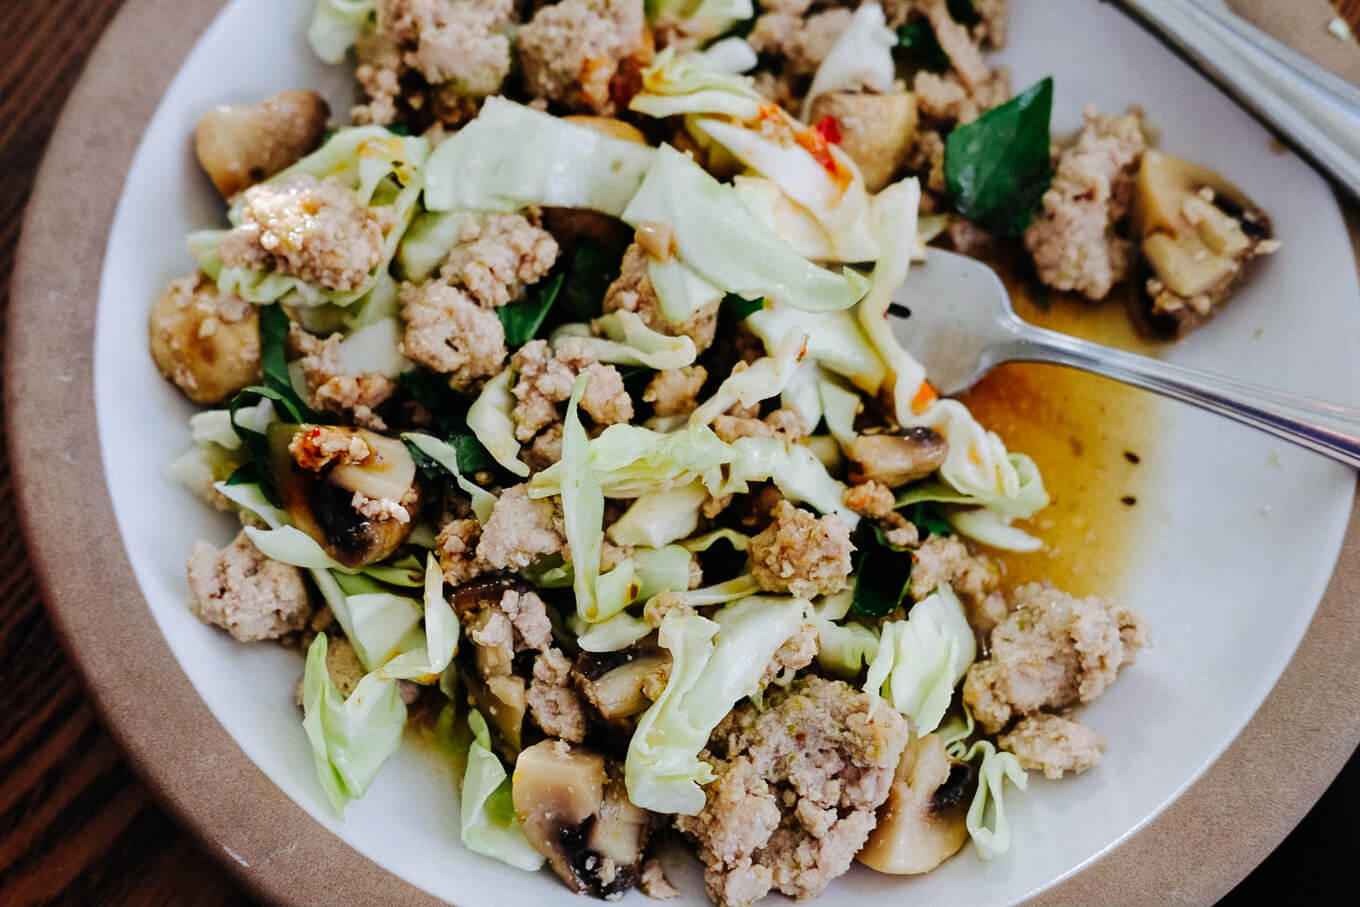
[(1202, 844)]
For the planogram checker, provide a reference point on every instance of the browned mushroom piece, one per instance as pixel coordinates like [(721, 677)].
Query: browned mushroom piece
[(924, 820), (898, 458), (358, 512), (876, 130), (1197, 235), (206, 342), (574, 809), (612, 682), (239, 145)]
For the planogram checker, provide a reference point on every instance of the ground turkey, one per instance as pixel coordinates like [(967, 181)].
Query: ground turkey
[(520, 531), (1074, 236), (546, 381), (447, 331), (973, 577), (331, 388), (455, 51), (801, 554), (571, 51), (244, 592), (494, 261), (315, 230), (797, 788), (1053, 744), (675, 391), (633, 292), (1053, 651)]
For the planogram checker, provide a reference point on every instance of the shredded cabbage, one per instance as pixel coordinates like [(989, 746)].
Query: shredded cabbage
[(555, 162), (764, 378), (990, 524), (680, 291), (836, 341), (843, 649), (486, 815), (726, 244), (860, 58), (795, 470), (921, 659), (623, 338), (489, 419), (483, 501), (337, 25), (721, 593), (994, 838), (351, 738), (730, 55), (381, 168), (609, 635), (428, 242), (658, 518), (686, 84), (582, 509), (426, 662), (840, 406), (290, 545), (704, 18), (663, 770)]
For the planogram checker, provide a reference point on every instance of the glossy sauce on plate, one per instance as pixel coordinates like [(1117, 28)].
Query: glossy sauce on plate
[(1093, 439)]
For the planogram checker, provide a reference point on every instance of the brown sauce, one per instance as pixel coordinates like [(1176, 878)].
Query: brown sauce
[(1094, 441)]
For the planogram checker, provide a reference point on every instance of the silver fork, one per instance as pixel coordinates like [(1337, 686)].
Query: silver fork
[(1318, 112), (960, 342)]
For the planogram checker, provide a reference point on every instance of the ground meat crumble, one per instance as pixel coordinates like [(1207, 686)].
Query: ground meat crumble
[(245, 593), (797, 788), (801, 554), (633, 292), (572, 51)]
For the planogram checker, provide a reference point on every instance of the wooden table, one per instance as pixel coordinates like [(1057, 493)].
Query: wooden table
[(76, 826)]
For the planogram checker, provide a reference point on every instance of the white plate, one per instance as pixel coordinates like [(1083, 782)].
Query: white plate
[(1246, 528)]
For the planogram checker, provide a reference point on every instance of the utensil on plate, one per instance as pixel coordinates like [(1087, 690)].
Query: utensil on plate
[(978, 329), (1318, 112)]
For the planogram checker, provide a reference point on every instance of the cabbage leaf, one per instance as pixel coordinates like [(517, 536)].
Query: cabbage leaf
[(658, 518), (764, 378), (921, 659), (486, 814), (622, 338), (991, 835), (351, 738), (426, 662), (555, 162), (860, 58), (337, 25), (490, 421), (444, 454)]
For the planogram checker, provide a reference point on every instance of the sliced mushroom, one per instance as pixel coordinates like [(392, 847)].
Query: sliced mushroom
[(239, 145), (612, 682), (924, 820), (896, 459), (326, 504), (207, 343), (876, 130), (575, 811), (1197, 233)]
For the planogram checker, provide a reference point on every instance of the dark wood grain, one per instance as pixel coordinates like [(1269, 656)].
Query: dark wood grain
[(76, 825)]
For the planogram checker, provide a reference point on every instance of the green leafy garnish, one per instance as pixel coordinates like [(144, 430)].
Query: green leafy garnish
[(274, 323), (929, 518), (963, 12), (997, 166), (882, 573), (256, 469), (449, 410), (918, 38), (522, 319), (589, 272), (740, 308)]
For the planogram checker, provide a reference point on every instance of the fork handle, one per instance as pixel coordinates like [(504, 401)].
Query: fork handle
[(1327, 428), (1316, 111)]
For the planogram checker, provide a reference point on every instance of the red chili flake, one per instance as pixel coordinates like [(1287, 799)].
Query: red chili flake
[(829, 129)]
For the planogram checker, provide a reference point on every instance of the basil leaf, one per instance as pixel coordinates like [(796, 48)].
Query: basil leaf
[(425, 463), (997, 167), (917, 38), (449, 410), (929, 518), (963, 12), (522, 319), (256, 469), (882, 573), (274, 323), (589, 272), (740, 308)]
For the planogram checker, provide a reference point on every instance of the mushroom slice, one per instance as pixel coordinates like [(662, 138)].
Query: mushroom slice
[(898, 458), (360, 510), (611, 682), (924, 820), (1197, 233), (239, 145), (571, 802)]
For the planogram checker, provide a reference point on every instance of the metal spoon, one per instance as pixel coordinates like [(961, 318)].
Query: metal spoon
[(1316, 111), (970, 327)]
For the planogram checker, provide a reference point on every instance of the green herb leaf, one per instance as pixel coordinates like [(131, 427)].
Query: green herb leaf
[(256, 469), (997, 166), (274, 323), (917, 38), (522, 319), (589, 272), (882, 573), (449, 409), (929, 518), (740, 308), (425, 463)]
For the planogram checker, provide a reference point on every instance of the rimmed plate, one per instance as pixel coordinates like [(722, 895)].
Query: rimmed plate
[(1245, 537)]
